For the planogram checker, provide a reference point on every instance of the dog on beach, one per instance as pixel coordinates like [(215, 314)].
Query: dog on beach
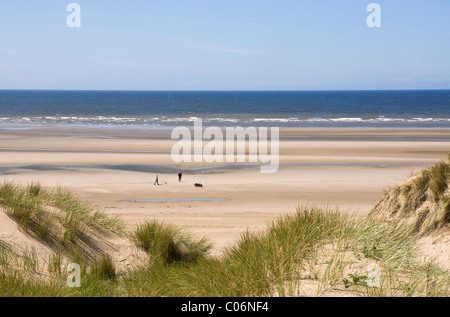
[(198, 185)]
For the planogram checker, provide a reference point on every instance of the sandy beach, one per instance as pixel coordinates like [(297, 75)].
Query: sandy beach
[(225, 149), (115, 169)]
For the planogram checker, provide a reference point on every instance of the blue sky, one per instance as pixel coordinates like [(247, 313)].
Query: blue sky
[(225, 45)]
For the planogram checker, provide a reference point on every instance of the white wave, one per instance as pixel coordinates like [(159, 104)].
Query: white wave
[(384, 119), (236, 119), (191, 119), (221, 120), (347, 120), (270, 120), (317, 120), (69, 118), (422, 119), (115, 119)]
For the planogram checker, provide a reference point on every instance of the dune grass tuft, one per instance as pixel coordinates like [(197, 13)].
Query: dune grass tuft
[(104, 268), (57, 217), (423, 200), (439, 178), (169, 244)]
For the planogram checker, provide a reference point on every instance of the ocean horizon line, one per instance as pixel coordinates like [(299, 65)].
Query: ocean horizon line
[(224, 90)]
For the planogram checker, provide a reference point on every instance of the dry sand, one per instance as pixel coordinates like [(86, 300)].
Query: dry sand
[(349, 168)]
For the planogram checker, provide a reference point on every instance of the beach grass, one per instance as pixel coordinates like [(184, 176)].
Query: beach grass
[(422, 201), (56, 217), (170, 244), (311, 252), (104, 268)]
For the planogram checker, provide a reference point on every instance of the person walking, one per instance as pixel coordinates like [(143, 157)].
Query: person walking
[(179, 176), (156, 181)]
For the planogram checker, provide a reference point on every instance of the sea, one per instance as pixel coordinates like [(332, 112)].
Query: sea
[(156, 109)]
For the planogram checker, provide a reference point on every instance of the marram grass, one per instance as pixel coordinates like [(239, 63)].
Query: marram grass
[(56, 217), (312, 252), (169, 244)]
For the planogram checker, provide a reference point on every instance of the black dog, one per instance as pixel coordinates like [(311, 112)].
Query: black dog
[(198, 185)]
